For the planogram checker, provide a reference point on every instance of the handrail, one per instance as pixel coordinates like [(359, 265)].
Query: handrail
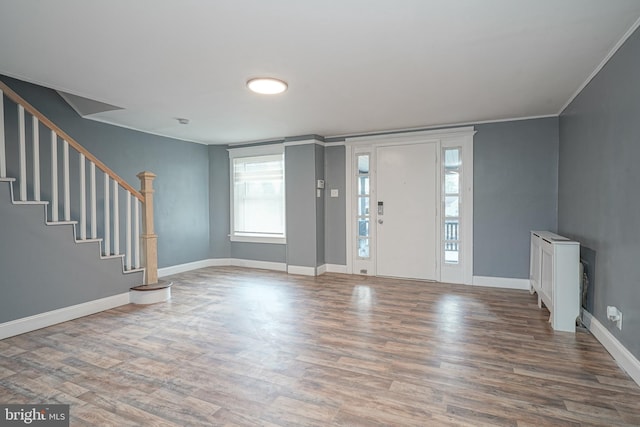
[(72, 142)]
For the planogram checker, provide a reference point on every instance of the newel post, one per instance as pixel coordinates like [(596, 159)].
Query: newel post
[(148, 239)]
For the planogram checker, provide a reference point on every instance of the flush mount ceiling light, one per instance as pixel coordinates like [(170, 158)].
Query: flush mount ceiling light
[(267, 85)]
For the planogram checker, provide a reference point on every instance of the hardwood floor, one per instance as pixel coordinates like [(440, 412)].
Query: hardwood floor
[(240, 347)]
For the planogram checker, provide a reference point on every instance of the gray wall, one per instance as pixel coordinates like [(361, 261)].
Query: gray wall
[(335, 207), (319, 174), (30, 247), (300, 176), (181, 201), (219, 208), (599, 181), (515, 181)]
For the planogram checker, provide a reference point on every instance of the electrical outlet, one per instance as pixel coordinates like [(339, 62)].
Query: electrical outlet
[(615, 315)]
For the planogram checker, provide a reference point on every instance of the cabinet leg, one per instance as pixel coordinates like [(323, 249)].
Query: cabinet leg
[(539, 302), (531, 290)]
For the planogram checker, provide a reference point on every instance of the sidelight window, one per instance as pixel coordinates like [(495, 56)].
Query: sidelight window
[(363, 218), (452, 168)]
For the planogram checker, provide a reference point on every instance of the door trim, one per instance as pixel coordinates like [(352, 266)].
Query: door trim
[(462, 136)]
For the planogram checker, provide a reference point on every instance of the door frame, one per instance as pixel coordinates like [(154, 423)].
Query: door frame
[(455, 137)]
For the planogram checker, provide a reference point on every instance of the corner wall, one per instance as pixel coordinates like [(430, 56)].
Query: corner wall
[(599, 181)]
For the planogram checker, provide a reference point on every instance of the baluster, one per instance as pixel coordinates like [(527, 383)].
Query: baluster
[(116, 220), (67, 192), (92, 184), (128, 233), (3, 154), (22, 154), (107, 219), (36, 158), (83, 199), (54, 176), (136, 233)]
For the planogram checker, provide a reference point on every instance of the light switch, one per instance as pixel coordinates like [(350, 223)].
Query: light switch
[(318, 193), (334, 192)]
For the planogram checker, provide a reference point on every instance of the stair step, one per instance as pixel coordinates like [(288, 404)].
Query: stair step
[(88, 240), (134, 270), (62, 222), (111, 256), (30, 202), (7, 179)]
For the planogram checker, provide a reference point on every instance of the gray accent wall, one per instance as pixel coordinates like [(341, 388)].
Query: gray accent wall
[(515, 182), (335, 234), (75, 274), (300, 177), (599, 180), (181, 199), (219, 199), (319, 174)]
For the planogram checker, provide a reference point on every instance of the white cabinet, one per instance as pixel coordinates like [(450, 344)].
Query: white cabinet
[(554, 276)]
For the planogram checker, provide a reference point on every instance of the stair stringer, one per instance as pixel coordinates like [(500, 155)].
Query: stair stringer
[(42, 269), (45, 204)]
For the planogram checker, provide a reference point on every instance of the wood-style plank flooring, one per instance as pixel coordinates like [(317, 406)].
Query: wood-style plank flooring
[(240, 347)]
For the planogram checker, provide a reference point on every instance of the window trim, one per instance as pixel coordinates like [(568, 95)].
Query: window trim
[(255, 151)]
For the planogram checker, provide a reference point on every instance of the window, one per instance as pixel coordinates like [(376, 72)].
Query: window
[(364, 198), (452, 167), (257, 194)]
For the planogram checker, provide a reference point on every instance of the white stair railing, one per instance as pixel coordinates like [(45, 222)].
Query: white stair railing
[(87, 213)]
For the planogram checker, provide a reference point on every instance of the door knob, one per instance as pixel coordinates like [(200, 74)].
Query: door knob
[(380, 221)]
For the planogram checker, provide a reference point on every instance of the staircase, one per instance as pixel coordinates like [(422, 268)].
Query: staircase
[(94, 234)]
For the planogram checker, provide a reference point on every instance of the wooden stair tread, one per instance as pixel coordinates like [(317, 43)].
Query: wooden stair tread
[(62, 222), (30, 202), (162, 284), (88, 240)]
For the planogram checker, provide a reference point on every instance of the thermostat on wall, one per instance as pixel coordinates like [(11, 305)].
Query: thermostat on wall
[(320, 183)]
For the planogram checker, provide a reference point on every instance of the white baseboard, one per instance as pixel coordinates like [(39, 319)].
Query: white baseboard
[(266, 265), (501, 282), (181, 268), (304, 271), (42, 320), (336, 268), (625, 359)]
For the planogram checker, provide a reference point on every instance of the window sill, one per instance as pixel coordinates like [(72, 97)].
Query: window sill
[(259, 239)]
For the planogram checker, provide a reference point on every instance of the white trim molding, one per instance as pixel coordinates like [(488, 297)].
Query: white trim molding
[(181, 268), (501, 282), (409, 137), (264, 265), (304, 142), (619, 352), (42, 320), (336, 268), (299, 269), (248, 263)]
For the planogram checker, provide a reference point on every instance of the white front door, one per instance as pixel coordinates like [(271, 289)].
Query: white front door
[(406, 203)]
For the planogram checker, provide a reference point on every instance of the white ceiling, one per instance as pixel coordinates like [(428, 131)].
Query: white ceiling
[(353, 66)]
